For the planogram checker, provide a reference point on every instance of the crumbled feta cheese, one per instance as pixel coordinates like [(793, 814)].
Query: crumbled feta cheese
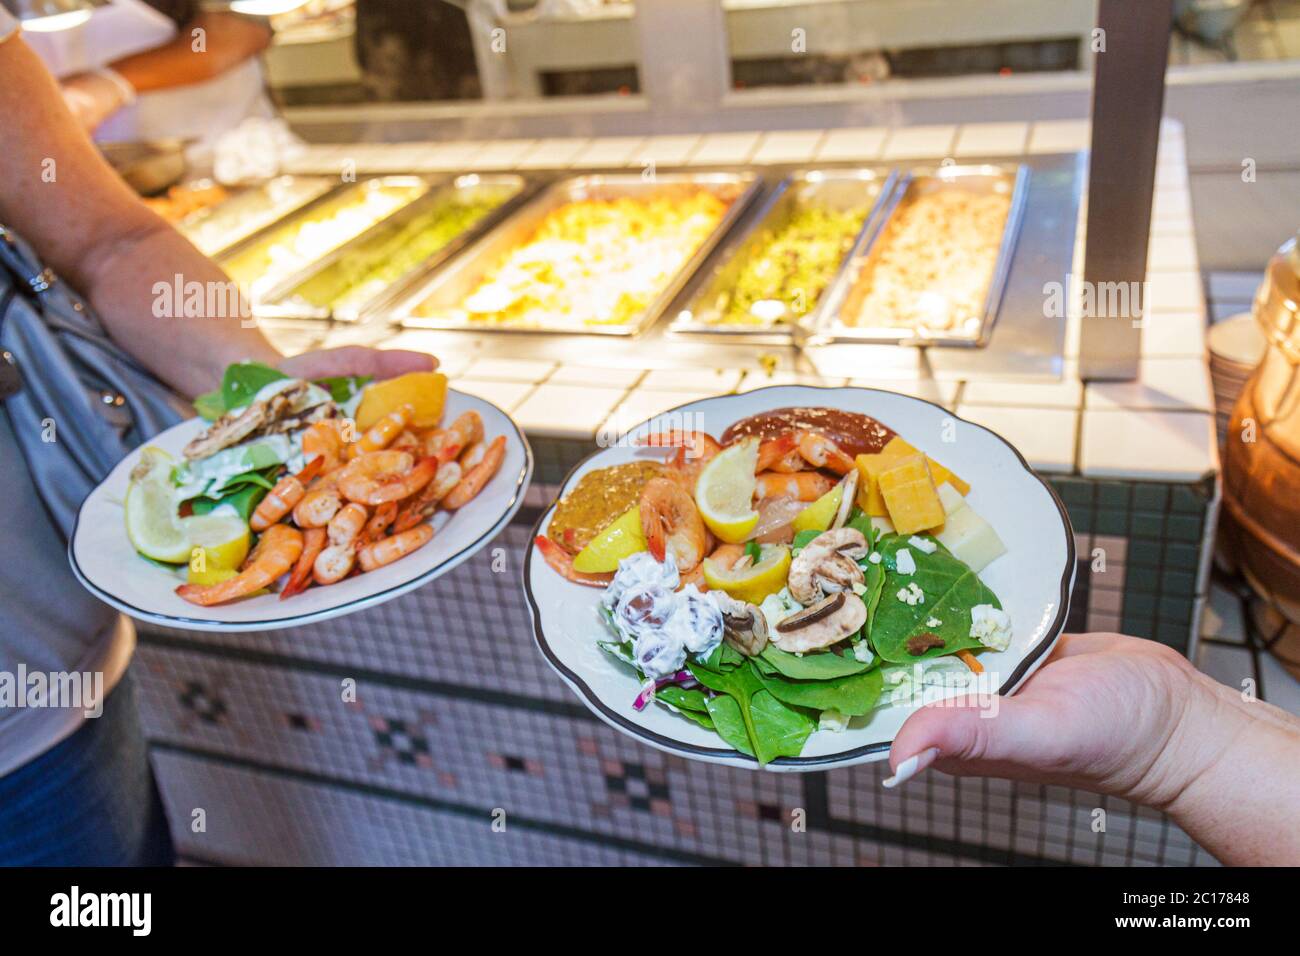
[(921, 544), (906, 563), (874, 557), (833, 721), (990, 626), (859, 588), (911, 595), (862, 653), (934, 622)]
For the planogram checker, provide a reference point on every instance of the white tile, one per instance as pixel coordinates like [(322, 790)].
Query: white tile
[(1059, 136), (667, 150), (566, 411), (510, 370), (1044, 436), (1178, 291), (504, 395), (711, 381), (920, 142), (927, 389), (1222, 618), (552, 154), (789, 146), (504, 154), (608, 376), (612, 151), (722, 148), (642, 405), (455, 156), (863, 143), (1172, 254), (992, 139), (1162, 446), (1067, 392), (1170, 384), (1173, 335), (753, 380)]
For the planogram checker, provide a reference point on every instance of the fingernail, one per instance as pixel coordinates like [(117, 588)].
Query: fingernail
[(910, 767)]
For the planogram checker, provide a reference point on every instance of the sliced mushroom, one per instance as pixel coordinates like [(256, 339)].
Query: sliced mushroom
[(744, 626), (847, 500), (828, 563), (827, 622)]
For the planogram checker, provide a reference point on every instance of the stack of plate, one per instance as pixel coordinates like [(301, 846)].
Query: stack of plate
[(1236, 346)]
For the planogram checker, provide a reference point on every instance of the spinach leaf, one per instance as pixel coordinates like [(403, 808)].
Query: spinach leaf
[(740, 683), (754, 551), (724, 657), (239, 384), (951, 590), (244, 499), (802, 538), (782, 730), (724, 711), (344, 387), (621, 651), (854, 694), (875, 583), (683, 698), (821, 665), (861, 521)]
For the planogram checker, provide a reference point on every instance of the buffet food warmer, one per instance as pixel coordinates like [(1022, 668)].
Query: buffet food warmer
[(835, 270)]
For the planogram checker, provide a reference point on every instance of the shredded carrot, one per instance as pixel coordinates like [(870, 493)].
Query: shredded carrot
[(971, 661)]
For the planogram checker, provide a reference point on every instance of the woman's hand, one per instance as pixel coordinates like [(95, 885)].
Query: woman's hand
[(357, 360), (1133, 718)]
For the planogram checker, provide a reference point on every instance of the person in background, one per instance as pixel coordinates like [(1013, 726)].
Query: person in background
[(158, 69), (77, 791), (415, 51)]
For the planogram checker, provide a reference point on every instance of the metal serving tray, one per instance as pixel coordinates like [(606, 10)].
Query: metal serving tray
[(513, 189), (845, 298), (261, 291), (438, 302), (838, 189), (296, 192)]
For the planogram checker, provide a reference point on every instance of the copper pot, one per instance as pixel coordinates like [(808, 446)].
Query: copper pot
[(1261, 466)]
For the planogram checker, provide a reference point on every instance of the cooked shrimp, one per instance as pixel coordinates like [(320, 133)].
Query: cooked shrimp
[(422, 504), (672, 523), (802, 485), (313, 542), (379, 522), (694, 446), (472, 455), (280, 500), (776, 451), (321, 502), (562, 562), (334, 564), (725, 556), (446, 443), (378, 476), (276, 551), (478, 476), (381, 433), (387, 550), (325, 439), (820, 451), (345, 526), (407, 441)]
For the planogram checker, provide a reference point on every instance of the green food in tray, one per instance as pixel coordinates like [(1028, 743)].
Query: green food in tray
[(394, 251), (790, 266)]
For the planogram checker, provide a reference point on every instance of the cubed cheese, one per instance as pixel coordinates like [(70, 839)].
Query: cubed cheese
[(910, 496), (971, 539), (870, 467), (951, 498)]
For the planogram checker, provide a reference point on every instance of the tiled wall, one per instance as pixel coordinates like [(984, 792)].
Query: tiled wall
[(457, 723)]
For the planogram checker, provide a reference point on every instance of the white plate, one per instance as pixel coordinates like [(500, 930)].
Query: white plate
[(1033, 580), (105, 562)]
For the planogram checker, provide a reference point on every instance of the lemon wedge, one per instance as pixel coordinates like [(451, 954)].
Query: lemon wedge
[(753, 582), (218, 541), (620, 540), (724, 492), (819, 515), (152, 524)]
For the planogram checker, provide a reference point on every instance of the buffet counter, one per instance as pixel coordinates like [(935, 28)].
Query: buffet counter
[(483, 755)]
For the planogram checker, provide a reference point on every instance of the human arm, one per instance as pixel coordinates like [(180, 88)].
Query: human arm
[(1132, 718), (204, 47)]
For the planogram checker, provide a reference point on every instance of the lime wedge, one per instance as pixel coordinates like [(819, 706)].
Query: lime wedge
[(819, 515), (621, 539), (151, 521)]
